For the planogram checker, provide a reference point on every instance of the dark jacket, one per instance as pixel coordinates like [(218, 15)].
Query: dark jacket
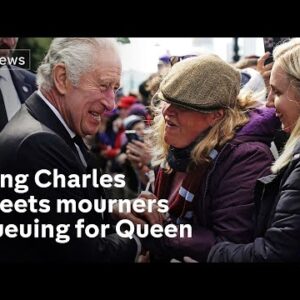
[(35, 139), (24, 82), (277, 221), (224, 208)]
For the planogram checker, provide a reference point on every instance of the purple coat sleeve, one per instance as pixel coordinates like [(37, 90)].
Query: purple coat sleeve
[(231, 196)]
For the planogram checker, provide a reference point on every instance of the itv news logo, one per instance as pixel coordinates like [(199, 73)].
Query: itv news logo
[(18, 58)]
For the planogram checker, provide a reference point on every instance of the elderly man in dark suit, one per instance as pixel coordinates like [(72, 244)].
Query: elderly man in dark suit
[(77, 83), (16, 84)]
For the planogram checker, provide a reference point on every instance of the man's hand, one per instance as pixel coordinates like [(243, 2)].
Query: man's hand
[(144, 258), (118, 215), (150, 216)]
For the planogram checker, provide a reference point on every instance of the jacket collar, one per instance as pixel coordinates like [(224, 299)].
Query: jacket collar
[(41, 112), (22, 85)]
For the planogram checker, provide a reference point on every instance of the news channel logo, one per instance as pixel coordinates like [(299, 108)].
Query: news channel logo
[(17, 57)]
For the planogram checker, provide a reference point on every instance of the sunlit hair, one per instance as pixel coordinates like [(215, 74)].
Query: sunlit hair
[(77, 54), (219, 134), (287, 56), (246, 63)]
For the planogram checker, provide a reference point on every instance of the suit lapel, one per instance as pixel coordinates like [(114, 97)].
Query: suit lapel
[(22, 86), (41, 111)]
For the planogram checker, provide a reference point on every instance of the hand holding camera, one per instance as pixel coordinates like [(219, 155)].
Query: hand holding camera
[(138, 152), (265, 63), (133, 136), (269, 44)]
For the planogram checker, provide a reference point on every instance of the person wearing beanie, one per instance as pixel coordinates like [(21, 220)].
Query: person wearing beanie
[(131, 120), (210, 145), (124, 105), (163, 64), (140, 110)]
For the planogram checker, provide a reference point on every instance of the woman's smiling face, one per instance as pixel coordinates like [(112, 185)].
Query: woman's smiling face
[(284, 97), (183, 126)]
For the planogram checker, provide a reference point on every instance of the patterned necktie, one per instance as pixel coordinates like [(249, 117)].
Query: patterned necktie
[(3, 115)]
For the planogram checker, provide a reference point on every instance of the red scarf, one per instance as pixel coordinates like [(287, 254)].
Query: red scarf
[(181, 209)]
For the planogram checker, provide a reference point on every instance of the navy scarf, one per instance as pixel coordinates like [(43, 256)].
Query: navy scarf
[(180, 159)]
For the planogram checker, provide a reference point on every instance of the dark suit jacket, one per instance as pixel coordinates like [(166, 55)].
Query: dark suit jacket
[(35, 139), (24, 83)]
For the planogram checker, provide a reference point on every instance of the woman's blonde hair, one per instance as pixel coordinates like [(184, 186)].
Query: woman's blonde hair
[(287, 56), (218, 135)]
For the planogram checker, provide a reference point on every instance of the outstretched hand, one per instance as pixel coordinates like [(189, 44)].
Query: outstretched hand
[(149, 215)]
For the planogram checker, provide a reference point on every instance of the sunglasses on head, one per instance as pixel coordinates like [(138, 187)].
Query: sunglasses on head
[(175, 59)]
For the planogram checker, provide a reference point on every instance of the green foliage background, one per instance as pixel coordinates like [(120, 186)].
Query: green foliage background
[(38, 48)]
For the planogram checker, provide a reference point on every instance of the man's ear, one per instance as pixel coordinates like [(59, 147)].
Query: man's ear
[(216, 116), (60, 78)]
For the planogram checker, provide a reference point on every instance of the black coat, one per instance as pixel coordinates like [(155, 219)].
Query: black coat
[(277, 221), (35, 139), (24, 82)]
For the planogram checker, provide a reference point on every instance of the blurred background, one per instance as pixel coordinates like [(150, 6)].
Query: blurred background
[(141, 56)]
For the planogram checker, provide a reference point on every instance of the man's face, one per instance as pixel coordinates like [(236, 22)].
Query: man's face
[(83, 106), (7, 45)]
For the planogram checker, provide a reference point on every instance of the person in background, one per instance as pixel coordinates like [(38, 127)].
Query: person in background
[(134, 129), (124, 105), (163, 65), (210, 145), (247, 62), (16, 84), (277, 196), (139, 109)]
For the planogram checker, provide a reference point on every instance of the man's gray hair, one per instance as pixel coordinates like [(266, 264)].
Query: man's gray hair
[(77, 54)]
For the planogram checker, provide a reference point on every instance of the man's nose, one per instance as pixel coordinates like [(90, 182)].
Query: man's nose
[(110, 99)]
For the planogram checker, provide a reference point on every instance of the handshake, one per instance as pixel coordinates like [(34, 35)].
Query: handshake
[(146, 209), (151, 223)]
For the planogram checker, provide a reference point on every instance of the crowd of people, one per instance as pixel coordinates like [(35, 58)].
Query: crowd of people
[(219, 141)]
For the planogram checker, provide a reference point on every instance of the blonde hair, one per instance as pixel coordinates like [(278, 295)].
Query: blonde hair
[(287, 56), (219, 134)]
